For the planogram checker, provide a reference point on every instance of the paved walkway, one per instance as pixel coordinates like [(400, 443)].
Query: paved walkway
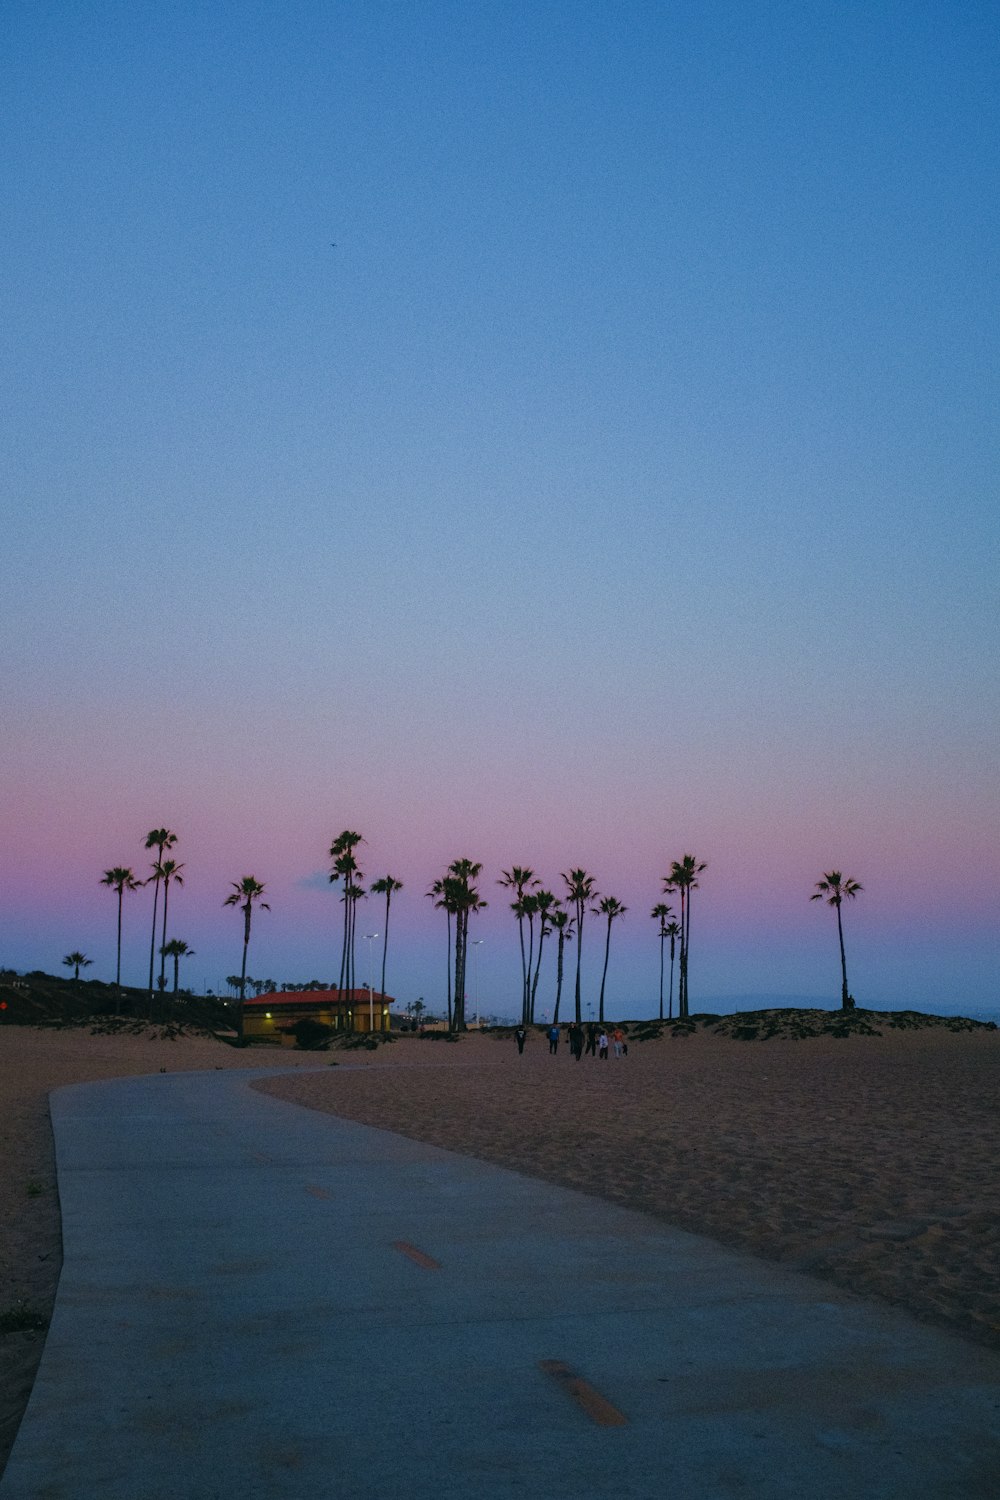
[(259, 1301)]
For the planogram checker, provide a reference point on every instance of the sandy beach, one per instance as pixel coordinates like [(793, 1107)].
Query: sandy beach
[(870, 1161)]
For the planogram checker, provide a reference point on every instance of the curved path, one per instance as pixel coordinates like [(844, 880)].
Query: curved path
[(260, 1301)]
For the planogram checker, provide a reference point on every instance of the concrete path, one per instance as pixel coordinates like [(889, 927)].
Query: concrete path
[(259, 1301)]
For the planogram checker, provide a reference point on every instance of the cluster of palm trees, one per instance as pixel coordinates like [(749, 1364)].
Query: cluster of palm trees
[(346, 872), (458, 898), (566, 916), (539, 913), (165, 871)]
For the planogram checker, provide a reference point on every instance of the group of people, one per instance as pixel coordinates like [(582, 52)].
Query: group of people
[(591, 1040)]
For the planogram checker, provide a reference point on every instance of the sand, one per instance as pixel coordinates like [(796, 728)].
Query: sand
[(870, 1161)]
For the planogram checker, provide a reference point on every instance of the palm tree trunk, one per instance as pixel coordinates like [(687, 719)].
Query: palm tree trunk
[(579, 957), (341, 982), (682, 1006), (448, 915), (385, 942), (243, 971), (604, 975), (177, 971), (152, 945), (670, 1009), (524, 973), (163, 943), (527, 1014), (559, 977), (661, 976), (844, 998), (538, 969), (458, 1013), (118, 968)]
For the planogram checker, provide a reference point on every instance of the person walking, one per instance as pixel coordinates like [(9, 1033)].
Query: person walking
[(591, 1048), (617, 1038), (576, 1040), (602, 1045), (553, 1035), (520, 1037)]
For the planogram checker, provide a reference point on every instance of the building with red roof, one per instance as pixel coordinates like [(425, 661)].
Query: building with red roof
[(274, 1017)]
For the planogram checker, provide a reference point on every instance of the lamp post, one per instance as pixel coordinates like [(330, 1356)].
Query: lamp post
[(369, 939), (477, 943)]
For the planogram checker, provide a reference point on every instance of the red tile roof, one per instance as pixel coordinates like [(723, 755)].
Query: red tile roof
[(277, 998)]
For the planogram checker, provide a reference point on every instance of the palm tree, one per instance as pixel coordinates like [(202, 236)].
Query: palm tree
[(244, 893), (158, 839), (609, 907), (439, 895), (562, 924), (345, 867), (121, 879), (385, 887), (177, 949), (580, 888), (662, 912), (544, 902), (464, 899), (167, 870), (683, 879), (519, 879), (673, 933), (76, 962), (835, 888)]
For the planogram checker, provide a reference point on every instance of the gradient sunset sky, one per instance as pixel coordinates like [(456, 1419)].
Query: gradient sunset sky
[(549, 433)]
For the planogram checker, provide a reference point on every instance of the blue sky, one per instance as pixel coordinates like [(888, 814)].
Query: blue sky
[(555, 433)]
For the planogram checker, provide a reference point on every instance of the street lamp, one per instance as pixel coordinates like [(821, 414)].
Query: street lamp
[(369, 939), (477, 943)]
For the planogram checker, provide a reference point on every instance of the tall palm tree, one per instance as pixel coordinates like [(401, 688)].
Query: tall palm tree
[(682, 880), (520, 879), (244, 893), (385, 887), (609, 907), (158, 839), (562, 924), (76, 962), (177, 949), (835, 889), (661, 913), (439, 895), (167, 870), (345, 868), (673, 933), (120, 879), (464, 900), (545, 903), (581, 888)]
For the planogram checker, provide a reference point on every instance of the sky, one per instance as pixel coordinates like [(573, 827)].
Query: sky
[(545, 432)]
